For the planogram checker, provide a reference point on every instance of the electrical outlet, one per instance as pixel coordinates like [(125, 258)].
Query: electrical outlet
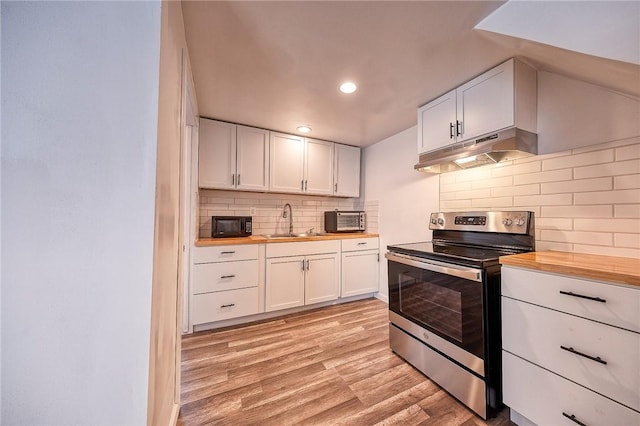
[(252, 211)]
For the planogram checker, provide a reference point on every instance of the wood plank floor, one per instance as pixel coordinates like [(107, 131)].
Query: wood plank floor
[(330, 366)]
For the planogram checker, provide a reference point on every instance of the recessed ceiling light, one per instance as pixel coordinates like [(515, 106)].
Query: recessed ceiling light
[(348, 87), (304, 129)]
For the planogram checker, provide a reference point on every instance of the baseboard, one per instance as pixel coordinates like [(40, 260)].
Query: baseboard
[(383, 297), (175, 412)]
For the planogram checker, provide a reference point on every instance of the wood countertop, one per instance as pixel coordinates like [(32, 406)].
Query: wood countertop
[(260, 239), (623, 270)]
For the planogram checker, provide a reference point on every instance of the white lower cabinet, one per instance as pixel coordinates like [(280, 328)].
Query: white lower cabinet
[(299, 274), (227, 282), (284, 283), (546, 398), (233, 281), (564, 351), (360, 266)]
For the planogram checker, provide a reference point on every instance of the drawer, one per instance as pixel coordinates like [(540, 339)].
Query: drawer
[(537, 334), (360, 244), (225, 253), (542, 397), (303, 248), (621, 307), (209, 277), (224, 305)]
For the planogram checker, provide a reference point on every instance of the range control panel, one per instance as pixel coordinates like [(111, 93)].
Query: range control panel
[(510, 222), (471, 220)]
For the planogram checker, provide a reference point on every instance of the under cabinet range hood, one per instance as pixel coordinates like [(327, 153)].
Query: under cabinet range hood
[(503, 145)]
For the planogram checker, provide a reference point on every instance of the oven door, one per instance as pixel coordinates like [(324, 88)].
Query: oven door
[(443, 298)]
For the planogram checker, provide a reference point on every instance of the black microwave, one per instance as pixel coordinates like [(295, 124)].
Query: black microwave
[(230, 226)]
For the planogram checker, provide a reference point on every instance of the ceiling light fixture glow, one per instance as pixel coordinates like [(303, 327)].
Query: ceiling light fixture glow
[(348, 87), (304, 129)]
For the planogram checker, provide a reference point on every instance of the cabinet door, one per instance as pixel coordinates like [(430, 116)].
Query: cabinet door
[(318, 167), (322, 278), (346, 181), (287, 163), (360, 272), (252, 159), (284, 283), (486, 103), (437, 123), (216, 154)]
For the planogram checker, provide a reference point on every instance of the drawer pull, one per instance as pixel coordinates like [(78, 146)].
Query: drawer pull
[(228, 306), (227, 252), (362, 244), (572, 417), (227, 276), (596, 299), (593, 358)]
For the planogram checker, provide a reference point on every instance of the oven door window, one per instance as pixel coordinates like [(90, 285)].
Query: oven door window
[(449, 306)]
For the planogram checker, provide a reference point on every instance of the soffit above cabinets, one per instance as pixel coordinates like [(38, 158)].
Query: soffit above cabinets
[(278, 65)]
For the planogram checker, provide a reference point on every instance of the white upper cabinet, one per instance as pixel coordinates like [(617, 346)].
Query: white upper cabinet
[(436, 123), (287, 163), (233, 157), (346, 177), (502, 97), (301, 165), (318, 167), (252, 161), (217, 154)]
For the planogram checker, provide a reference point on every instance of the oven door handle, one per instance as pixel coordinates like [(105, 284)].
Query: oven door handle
[(448, 269)]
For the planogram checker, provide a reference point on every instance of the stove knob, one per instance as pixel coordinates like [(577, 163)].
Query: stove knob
[(440, 221), (433, 221), (507, 222), (519, 221)]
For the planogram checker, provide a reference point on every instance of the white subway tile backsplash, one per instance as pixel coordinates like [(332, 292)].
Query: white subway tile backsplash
[(308, 211), (627, 211), (549, 176), (608, 225), (516, 169), (584, 200), (542, 245), (627, 182), (627, 240), (492, 203), (533, 189), (580, 185), (609, 169), (474, 193), (492, 182), (624, 196), (448, 205), (577, 211), (588, 158), (453, 187), (554, 223), (607, 251), (544, 200), (628, 152), (580, 237)]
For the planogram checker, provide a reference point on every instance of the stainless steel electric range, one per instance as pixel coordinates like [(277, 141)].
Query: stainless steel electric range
[(444, 301)]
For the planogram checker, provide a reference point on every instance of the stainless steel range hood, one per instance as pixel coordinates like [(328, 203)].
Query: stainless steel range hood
[(504, 145)]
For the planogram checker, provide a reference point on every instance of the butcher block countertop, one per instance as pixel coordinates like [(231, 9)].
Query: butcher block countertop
[(623, 270), (260, 239)]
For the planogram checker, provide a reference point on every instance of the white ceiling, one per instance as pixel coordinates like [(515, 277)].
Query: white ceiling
[(278, 65)]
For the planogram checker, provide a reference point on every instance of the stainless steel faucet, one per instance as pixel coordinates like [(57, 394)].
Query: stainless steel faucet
[(284, 214)]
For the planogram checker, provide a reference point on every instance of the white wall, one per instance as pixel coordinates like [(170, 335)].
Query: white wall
[(79, 133), (406, 197)]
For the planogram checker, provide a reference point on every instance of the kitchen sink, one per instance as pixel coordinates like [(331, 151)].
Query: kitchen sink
[(294, 235)]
